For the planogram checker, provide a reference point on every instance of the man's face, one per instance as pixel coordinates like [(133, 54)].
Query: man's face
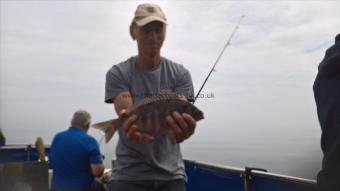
[(150, 37)]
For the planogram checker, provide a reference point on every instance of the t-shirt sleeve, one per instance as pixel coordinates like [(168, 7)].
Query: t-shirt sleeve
[(115, 84), (184, 85), (95, 156)]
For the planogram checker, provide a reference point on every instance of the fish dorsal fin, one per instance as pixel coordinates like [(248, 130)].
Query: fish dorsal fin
[(162, 95)]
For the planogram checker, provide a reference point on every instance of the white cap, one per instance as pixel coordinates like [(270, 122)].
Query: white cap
[(148, 12)]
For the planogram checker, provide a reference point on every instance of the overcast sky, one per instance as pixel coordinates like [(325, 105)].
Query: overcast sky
[(54, 56)]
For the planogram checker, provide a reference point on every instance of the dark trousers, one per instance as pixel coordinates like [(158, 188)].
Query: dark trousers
[(329, 177), (95, 186), (147, 185), (328, 181)]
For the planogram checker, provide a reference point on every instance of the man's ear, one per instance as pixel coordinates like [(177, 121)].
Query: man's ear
[(87, 127), (133, 31)]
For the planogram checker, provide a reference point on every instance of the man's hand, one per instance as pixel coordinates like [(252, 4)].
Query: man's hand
[(132, 130), (123, 101), (181, 127), (97, 170)]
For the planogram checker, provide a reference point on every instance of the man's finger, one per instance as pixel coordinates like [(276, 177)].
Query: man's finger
[(129, 122), (182, 124), (178, 133), (122, 113), (172, 137), (191, 123), (136, 137), (148, 138), (132, 131)]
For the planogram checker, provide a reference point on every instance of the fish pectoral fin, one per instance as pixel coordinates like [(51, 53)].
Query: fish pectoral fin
[(109, 127)]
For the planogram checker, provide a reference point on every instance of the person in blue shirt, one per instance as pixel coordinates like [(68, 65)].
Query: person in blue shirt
[(327, 96), (75, 157)]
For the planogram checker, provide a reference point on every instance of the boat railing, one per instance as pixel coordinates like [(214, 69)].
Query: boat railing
[(206, 176)]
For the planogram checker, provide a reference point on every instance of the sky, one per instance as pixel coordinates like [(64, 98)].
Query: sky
[(258, 103)]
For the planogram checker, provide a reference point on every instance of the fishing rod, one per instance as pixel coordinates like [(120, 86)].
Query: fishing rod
[(218, 58)]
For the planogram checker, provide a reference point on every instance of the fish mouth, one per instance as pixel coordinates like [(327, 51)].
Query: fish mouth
[(200, 116)]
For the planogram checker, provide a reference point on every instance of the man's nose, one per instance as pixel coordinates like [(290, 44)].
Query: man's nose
[(153, 35)]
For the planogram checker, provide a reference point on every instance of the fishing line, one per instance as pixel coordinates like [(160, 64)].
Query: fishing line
[(218, 58)]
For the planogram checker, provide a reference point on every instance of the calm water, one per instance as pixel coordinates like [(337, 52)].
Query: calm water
[(297, 156)]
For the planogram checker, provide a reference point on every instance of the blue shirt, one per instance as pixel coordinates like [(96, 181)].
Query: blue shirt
[(72, 152)]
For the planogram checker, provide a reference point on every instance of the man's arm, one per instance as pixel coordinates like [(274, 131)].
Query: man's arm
[(122, 102), (97, 170), (182, 125)]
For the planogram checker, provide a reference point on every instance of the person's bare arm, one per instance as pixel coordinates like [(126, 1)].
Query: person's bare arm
[(122, 102), (97, 170)]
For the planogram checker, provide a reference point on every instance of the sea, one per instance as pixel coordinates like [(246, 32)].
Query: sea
[(297, 154)]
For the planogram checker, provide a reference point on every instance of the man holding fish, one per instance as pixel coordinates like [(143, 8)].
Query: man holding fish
[(151, 95)]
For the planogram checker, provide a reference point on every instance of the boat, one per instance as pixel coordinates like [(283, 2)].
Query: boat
[(20, 166)]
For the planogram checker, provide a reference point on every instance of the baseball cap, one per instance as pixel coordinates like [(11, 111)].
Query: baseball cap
[(148, 12)]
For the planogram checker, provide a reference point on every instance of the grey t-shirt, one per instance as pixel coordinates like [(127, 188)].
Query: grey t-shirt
[(161, 160)]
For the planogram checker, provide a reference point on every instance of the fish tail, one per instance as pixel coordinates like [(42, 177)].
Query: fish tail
[(109, 127)]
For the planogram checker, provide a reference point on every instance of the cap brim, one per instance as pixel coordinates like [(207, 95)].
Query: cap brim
[(150, 19)]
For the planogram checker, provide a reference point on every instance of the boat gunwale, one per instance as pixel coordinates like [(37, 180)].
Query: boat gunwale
[(241, 171)]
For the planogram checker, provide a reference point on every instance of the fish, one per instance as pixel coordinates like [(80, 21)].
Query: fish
[(151, 114)]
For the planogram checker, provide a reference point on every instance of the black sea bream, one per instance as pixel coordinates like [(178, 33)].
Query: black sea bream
[(151, 114)]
